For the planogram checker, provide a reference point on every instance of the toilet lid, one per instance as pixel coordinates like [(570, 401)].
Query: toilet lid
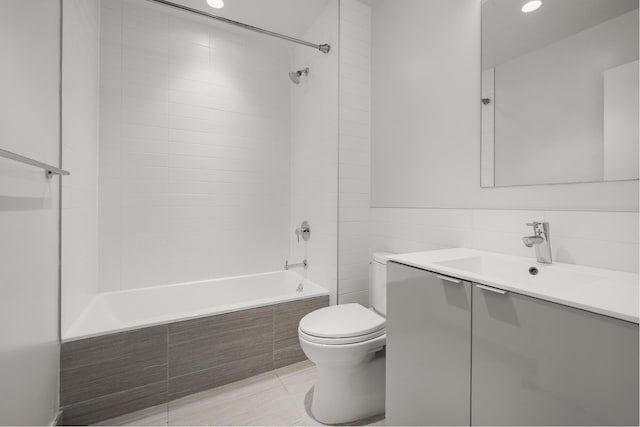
[(341, 321)]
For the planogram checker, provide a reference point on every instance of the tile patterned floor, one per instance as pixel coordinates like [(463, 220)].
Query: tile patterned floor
[(281, 397)]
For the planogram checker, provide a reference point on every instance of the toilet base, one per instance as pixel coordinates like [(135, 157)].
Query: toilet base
[(348, 393)]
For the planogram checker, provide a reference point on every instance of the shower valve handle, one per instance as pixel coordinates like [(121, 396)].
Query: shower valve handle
[(304, 230)]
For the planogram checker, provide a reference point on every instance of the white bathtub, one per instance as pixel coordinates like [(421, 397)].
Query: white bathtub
[(127, 310)]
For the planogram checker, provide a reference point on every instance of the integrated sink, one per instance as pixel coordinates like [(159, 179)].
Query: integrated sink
[(612, 293), (517, 270)]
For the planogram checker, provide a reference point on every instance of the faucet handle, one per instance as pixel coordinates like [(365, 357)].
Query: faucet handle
[(536, 227), (304, 230), (540, 228)]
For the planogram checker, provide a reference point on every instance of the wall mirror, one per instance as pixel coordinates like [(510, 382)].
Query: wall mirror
[(559, 91)]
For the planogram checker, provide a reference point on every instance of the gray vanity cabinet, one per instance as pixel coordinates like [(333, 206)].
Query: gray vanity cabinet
[(428, 348), (539, 363)]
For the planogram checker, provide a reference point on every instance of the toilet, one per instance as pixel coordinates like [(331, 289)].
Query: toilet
[(346, 343)]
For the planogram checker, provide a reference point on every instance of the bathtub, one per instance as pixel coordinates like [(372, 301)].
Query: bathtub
[(120, 311), (134, 349)]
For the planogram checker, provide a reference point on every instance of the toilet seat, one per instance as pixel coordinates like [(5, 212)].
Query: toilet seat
[(341, 324), (339, 341)]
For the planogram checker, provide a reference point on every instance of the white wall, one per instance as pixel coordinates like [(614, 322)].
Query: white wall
[(487, 137), (194, 149), (564, 79), (426, 117), (355, 150), (29, 206), (314, 152), (426, 153), (80, 102)]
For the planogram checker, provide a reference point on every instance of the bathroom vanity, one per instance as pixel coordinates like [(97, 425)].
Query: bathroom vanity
[(476, 338)]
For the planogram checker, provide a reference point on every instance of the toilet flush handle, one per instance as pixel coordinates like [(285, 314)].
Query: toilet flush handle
[(375, 349)]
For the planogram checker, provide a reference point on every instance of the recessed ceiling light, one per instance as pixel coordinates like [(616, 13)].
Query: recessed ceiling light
[(218, 4), (531, 6)]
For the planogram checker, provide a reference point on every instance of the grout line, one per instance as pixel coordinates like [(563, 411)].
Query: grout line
[(59, 273), (338, 156), (166, 414), (167, 380), (294, 396), (273, 337), (459, 208), (471, 356)]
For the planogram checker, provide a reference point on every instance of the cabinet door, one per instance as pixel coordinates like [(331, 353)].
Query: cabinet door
[(428, 348), (539, 363)]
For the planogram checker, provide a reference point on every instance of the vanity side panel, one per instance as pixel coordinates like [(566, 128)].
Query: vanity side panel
[(540, 363), (428, 348)]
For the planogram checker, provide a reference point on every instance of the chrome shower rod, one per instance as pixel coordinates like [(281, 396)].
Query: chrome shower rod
[(324, 48)]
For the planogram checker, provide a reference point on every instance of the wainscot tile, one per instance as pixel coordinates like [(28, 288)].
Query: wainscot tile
[(286, 347), (100, 366), (287, 356), (201, 344), (219, 375)]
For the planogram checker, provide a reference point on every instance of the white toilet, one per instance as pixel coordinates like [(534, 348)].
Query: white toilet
[(346, 342)]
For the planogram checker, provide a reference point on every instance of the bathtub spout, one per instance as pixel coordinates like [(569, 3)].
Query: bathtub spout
[(304, 264), (300, 287)]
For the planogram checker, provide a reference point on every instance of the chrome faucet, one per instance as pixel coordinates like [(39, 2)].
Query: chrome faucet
[(541, 241)]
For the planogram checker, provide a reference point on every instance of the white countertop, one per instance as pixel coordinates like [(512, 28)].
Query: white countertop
[(607, 292)]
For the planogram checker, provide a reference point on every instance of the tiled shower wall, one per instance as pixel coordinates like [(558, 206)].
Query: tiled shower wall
[(596, 239), (80, 102), (314, 151), (355, 151), (194, 149)]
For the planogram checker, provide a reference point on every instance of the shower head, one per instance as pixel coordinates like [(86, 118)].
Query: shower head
[(295, 75)]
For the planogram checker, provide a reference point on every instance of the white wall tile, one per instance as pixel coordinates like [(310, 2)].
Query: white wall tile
[(505, 220), (596, 239), (359, 297), (596, 253), (194, 151), (314, 153), (354, 157), (607, 226), (80, 151)]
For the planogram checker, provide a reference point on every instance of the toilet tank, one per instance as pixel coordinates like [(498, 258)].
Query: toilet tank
[(378, 282)]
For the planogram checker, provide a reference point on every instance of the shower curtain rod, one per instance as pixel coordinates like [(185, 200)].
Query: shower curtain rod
[(324, 48)]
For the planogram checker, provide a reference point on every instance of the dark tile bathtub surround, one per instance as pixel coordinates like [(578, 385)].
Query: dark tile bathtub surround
[(208, 352), (114, 363), (197, 345), (111, 375), (286, 347)]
